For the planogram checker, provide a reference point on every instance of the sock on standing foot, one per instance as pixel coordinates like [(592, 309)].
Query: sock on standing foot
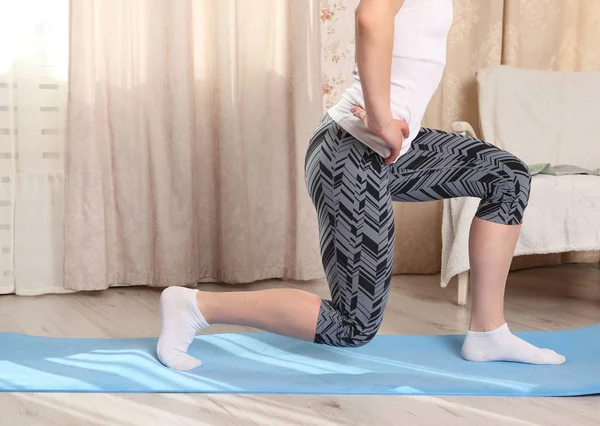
[(181, 320), (501, 345)]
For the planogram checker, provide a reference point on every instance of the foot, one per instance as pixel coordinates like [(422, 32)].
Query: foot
[(181, 320), (502, 345)]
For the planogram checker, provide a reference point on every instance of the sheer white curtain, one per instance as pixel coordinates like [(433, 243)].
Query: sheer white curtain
[(34, 47)]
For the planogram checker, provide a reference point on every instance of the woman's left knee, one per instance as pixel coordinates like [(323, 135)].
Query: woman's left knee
[(521, 179)]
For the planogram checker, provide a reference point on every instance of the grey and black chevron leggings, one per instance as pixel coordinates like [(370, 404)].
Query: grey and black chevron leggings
[(352, 190)]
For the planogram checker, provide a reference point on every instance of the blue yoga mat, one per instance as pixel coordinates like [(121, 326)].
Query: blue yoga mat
[(266, 363)]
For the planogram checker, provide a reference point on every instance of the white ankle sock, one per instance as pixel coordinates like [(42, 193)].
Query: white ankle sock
[(501, 345), (181, 320)]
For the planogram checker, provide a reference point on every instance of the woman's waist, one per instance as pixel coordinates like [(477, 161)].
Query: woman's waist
[(404, 104), (341, 113)]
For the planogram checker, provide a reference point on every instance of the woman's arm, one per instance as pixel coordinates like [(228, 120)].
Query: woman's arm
[(374, 43)]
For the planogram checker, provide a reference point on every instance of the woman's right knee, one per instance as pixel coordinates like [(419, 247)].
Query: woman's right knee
[(334, 328), (361, 339), (361, 335)]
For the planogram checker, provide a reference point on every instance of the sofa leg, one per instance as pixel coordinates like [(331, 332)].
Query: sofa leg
[(463, 288)]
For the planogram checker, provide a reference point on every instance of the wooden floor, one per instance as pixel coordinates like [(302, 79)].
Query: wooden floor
[(537, 299)]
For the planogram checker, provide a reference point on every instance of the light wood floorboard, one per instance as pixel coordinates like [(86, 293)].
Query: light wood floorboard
[(537, 299)]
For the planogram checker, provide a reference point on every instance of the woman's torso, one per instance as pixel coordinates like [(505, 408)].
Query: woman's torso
[(418, 60)]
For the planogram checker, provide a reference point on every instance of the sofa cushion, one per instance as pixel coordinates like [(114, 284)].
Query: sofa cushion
[(542, 116)]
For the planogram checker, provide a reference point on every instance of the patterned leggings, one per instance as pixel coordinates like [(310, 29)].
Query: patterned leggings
[(352, 190)]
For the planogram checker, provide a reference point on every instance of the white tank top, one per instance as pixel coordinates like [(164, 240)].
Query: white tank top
[(418, 60)]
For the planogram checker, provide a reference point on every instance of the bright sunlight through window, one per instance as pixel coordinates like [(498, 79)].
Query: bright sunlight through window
[(34, 33)]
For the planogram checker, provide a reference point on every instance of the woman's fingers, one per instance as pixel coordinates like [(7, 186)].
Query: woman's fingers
[(395, 153), (360, 113), (391, 135), (405, 129)]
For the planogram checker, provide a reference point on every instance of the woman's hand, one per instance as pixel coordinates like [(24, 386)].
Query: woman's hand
[(392, 134)]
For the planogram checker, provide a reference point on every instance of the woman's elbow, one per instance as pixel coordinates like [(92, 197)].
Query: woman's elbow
[(371, 15), (365, 18)]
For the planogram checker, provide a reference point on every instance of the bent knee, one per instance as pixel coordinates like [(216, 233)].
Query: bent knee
[(519, 181), (336, 328), (509, 198), (521, 170), (363, 335), (357, 342)]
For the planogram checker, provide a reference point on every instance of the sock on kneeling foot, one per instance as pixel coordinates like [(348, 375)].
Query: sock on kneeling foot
[(181, 320)]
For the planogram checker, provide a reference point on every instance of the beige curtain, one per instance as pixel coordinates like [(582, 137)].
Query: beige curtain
[(189, 121), (561, 35), (543, 34)]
